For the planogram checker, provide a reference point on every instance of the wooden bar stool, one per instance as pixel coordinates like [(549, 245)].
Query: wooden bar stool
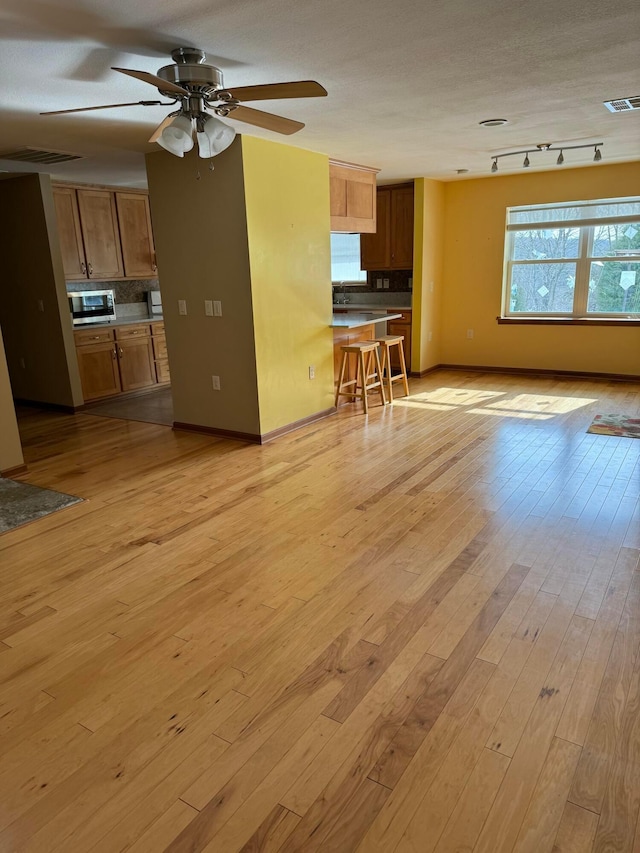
[(386, 342), (368, 373)]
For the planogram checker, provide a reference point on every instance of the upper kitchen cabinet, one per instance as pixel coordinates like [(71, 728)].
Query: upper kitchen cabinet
[(100, 233), (352, 197), (105, 234), (391, 247), (70, 234), (138, 252)]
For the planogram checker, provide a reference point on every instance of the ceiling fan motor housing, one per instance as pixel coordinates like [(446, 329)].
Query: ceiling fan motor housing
[(191, 72)]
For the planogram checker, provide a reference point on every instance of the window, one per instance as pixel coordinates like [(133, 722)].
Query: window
[(345, 259), (576, 260)]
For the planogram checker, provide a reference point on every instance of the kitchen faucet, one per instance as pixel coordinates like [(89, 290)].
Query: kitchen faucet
[(345, 298)]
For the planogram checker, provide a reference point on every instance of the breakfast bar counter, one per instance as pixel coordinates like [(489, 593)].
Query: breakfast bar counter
[(355, 320)]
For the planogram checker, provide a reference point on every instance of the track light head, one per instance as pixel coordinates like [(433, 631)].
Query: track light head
[(598, 155), (526, 163), (494, 165), (560, 159)]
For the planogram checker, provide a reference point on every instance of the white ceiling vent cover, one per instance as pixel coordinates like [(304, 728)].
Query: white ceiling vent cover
[(623, 105), (39, 155)]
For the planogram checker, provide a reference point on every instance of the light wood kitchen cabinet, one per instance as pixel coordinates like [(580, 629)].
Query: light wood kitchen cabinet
[(352, 197), (135, 357), (160, 353), (70, 233), (136, 236), (100, 234), (122, 359), (401, 326), (105, 234), (98, 363), (391, 247)]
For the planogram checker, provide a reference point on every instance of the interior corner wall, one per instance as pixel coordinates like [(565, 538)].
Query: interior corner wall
[(30, 296), (288, 221), (429, 199), (10, 447), (475, 218), (200, 232)]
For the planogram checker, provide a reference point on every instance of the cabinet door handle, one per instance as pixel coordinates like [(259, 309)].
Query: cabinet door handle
[(134, 331), (114, 354), (90, 269), (120, 352), (83, 267), (95, 338)]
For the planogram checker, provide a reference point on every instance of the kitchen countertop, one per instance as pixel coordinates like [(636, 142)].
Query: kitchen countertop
[(352, 320), (368, 306), (157, 318)]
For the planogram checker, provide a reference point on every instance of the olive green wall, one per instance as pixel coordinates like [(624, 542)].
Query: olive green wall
[(200, 231), (10, 447), (34, 312)]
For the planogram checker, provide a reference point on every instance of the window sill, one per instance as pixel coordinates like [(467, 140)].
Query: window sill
[(565, 321)]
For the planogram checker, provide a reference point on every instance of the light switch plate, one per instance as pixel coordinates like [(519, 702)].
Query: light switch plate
[(385, 283), (217, 308), (208, 307), (182, 306)]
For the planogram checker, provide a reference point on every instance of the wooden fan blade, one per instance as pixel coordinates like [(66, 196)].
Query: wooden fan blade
[(104, 107), (299, 89), (267, 120), (158, 82), (164, 123)]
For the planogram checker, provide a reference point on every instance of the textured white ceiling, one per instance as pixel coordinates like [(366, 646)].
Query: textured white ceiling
[(408, 80)]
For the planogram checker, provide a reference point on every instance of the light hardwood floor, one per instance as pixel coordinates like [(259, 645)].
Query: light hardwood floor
[(412, 631)]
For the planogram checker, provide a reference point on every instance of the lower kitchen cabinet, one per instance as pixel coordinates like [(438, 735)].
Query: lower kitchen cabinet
[(121, 359), (135, 359), (99, 374), (160, 353), (401, 326)]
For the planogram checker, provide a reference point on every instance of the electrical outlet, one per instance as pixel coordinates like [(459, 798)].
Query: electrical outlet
[(312, 371), (385, 283), (182, 306), (215, 381), (217, 308), (379, 283), (469, 333), (208, 307)]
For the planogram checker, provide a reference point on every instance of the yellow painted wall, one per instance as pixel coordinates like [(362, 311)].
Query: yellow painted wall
[(427, 273), (474, 231), (10, 447), (287, 202)]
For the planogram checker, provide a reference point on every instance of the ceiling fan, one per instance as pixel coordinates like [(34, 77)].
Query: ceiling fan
[(199, 87)]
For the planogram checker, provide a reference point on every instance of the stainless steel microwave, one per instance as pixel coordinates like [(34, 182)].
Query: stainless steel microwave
[(92, 306)]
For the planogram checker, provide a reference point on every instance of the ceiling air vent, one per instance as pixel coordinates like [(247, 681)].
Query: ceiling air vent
[(623, 105), (39, 156)]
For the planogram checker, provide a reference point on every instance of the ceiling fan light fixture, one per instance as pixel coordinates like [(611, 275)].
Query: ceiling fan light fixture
[(177, 138), (214, 136)]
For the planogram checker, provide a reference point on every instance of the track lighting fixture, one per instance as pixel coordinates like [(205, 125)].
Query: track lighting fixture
[(547, 146)]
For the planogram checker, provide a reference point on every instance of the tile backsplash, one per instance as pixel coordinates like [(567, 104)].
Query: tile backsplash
[(399, 282), (130, 292)]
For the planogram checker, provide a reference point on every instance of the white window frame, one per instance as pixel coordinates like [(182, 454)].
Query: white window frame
[(583, 261)]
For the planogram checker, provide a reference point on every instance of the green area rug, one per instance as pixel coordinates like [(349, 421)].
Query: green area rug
[(620, 425), (21, 503)]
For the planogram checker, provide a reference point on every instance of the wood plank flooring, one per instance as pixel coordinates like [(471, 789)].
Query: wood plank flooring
[(416, 631)]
